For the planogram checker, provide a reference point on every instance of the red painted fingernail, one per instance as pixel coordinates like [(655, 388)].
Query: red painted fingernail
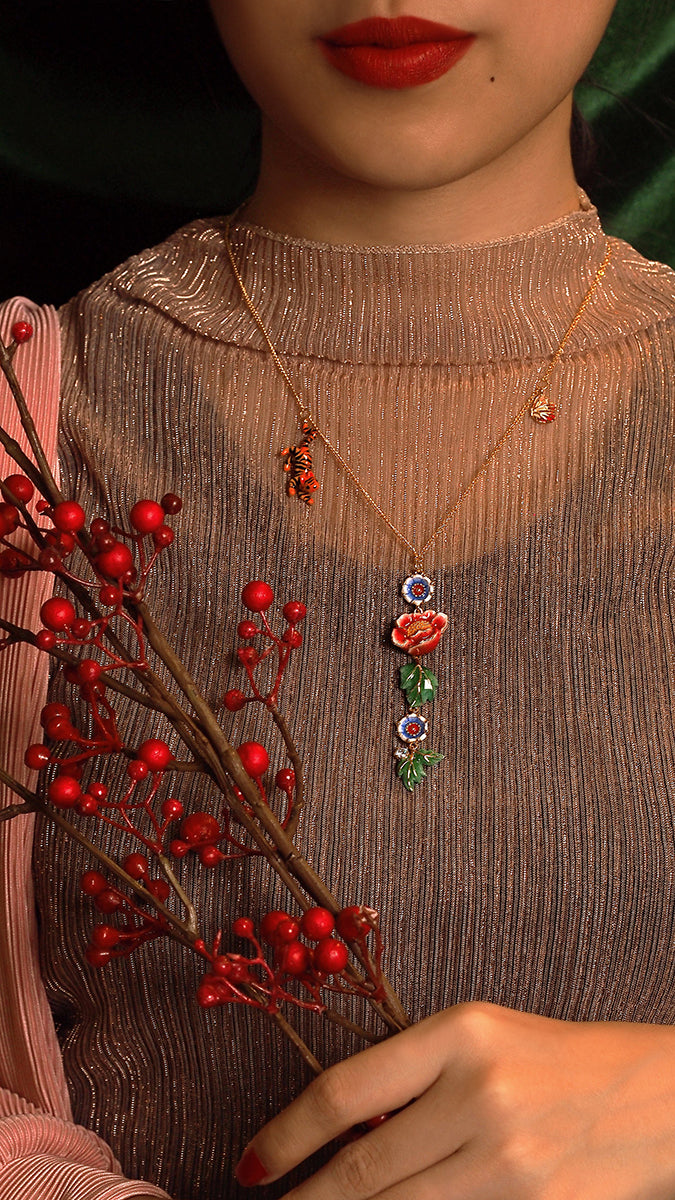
[(249, 1170)]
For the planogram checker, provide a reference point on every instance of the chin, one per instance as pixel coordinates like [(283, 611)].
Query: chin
[(395, 163)]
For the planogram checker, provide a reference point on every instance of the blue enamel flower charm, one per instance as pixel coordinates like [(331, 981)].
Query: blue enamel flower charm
[(412, 728), (417, 589)]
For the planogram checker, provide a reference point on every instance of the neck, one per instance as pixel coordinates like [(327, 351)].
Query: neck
[(529, 185)]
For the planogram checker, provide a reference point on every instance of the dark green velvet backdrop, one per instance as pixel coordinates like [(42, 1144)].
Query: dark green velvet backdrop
[(120, 120)]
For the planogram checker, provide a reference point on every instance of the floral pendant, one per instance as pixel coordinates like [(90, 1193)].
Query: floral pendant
[(417, 633)]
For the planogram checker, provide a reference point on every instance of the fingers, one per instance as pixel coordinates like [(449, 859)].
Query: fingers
[(409, 1143), (464, 1176), (380, 1079)]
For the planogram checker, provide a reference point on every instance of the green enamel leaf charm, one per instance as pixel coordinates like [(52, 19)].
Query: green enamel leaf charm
[(419, 684), (413, 769)]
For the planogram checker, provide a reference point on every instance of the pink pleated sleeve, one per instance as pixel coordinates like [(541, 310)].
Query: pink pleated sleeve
[(43, 1155)]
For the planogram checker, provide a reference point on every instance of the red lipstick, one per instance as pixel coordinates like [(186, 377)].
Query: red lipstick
[(400, 52)]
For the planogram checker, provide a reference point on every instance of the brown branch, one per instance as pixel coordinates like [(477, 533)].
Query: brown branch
[(16, 810), (337, 1018), (47, 485), (312, 1062), (182, 931), (286, 859), (293, 754)]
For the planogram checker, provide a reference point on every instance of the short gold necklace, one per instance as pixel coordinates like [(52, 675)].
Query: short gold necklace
[(418, 632)]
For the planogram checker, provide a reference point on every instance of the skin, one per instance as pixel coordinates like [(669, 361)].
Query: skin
[(490, 1104), (481, 153)]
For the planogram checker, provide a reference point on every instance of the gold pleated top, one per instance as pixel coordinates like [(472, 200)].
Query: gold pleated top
[(535, 867)]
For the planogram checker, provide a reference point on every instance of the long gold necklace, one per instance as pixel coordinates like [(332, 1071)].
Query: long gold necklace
[(418, 632)]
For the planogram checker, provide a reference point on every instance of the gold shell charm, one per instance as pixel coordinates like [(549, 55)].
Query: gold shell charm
[(542, 409)]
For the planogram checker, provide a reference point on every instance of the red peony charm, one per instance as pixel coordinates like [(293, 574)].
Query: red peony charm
[(419, 632)]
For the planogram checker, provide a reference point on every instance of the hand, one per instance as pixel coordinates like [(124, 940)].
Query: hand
[(501, 1105)]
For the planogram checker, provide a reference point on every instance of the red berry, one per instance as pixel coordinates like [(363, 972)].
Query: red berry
[(36, 757), (57, 614), (87, 806), (49, 559), (294, 959), (257, 596), (178, 848), (163, 537), (146, 516), (208, 996), (99, 790), (66, 543), (20, 487), (155, 753), (317, 923), (243, 927), (12, 565), (99, 526), (115, 561), (234, 700), (222, 966), (105, 540), (137, 770), (59, 729), (75, 770), (104, 936), (92, 882), (352, 924), (171, 503), (159, 888), (292, 638), (136, 865), (9, 518), (64, 791), (294, 611), (248, 655), (110, 595), (269, 923), (200, 827), (285, 780), (287, 931), (53, 710), (331, 956), (88, 671), (45, 639), (255, 759), (108, 901), (210, 856), (68, 516), (247, 629), (22, 331), (96, 957), (374, 1122), (171, 809), (81, 628), (239, 973)]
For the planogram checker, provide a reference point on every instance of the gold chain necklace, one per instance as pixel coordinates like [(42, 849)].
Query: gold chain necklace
[(418, 632)]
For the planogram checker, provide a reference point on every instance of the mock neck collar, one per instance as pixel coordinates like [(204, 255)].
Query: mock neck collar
[(469, 303)]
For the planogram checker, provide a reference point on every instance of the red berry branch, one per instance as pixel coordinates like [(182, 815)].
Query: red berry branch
[(105, 640)]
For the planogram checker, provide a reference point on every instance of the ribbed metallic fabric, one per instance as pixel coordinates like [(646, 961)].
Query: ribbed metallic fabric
[(536, 866)]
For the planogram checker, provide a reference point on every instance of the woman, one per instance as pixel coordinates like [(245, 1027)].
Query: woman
[(422, 262)]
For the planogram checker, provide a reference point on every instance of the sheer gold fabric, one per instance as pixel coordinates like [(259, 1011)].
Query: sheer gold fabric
[(536, 866)]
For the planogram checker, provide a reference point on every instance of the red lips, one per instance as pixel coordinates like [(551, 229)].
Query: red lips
[(395, 53)]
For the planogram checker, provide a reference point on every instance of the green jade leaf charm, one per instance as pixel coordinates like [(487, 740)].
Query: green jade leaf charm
[(417, 633)]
